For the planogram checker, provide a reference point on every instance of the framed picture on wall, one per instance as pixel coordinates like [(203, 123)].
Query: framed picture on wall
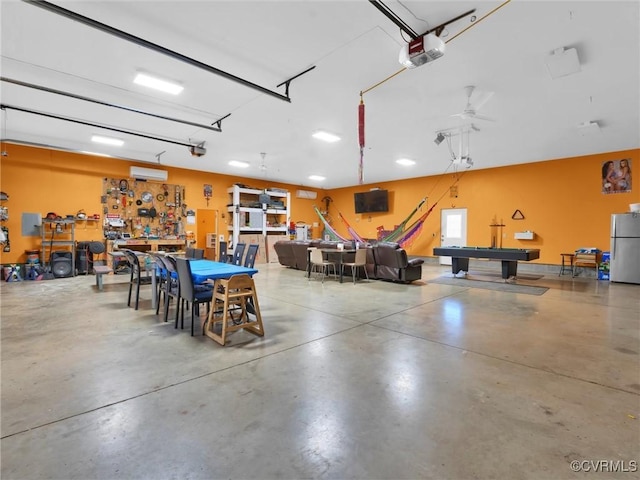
[(616, 176)]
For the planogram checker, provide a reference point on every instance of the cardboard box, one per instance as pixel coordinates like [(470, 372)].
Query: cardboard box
[(272, 256), (603, 266), (258, 238)]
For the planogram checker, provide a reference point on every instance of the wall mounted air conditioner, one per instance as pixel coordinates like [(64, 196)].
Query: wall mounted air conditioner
[(140, 173), (306, 194)]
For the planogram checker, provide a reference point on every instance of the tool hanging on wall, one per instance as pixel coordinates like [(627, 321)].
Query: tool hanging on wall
[(4, 239)]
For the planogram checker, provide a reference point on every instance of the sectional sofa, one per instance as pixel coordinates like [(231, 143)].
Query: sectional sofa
[(385, 260)]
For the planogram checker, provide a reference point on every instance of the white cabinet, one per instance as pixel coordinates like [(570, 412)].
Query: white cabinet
[(258, 211)]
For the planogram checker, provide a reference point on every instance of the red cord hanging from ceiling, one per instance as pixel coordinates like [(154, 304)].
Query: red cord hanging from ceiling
[(361, 139)]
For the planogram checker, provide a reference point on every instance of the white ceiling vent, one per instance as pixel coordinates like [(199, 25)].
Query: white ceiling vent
[(140, 173), (563, 62), (306, 194), (589, 129)]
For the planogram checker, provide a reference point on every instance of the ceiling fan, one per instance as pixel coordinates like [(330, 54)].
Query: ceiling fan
[(470, 112)]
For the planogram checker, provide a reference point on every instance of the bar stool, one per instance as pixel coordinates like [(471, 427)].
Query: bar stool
[(567, 263)]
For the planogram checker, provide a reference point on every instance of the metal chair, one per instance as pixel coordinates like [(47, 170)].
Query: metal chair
[(359, 261), (136, 275), (250, 258), (238, 252), (189, 292)]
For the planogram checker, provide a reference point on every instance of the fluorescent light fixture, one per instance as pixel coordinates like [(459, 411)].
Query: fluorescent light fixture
[(115, 142), (158, 84), (317, 178), (96, 154), (405, 161), (326, 136), (236, 163)]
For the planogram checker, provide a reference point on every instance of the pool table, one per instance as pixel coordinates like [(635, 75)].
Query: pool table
[(509, 256)]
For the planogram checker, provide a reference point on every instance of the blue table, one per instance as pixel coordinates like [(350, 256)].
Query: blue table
[(202, 270)]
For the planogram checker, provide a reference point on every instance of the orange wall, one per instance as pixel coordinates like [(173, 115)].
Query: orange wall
[(39, 180), (560, 199)]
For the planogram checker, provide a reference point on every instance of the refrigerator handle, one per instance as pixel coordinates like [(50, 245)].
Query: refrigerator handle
[(614, 238)]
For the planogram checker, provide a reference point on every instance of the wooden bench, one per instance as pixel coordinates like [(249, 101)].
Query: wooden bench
[(100, 270)]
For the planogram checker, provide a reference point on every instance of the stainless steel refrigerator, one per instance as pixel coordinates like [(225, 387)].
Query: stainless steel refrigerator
[(624, 265)]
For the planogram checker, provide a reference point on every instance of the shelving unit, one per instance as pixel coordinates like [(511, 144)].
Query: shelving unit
[(57, 234), (250, 216), (89, 223)]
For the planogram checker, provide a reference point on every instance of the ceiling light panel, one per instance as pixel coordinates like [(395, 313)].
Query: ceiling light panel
[(114, 142), (326, 136), (407, 162), (158, 84), (317, 178), (236, 163)]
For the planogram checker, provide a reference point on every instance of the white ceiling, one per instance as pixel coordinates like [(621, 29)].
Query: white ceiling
[(353, 47)]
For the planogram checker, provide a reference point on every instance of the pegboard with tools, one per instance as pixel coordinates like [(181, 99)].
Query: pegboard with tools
[(139, 209)]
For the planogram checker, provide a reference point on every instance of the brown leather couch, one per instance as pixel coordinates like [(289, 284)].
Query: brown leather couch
[(284, 250), (393, 264)]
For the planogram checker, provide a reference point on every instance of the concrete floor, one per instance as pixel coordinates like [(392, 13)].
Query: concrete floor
[(374, 380)]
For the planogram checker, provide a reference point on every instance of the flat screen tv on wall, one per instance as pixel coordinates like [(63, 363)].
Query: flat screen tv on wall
[(373, 201)]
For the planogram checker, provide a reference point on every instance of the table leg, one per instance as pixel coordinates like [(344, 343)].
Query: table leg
[(154, 286), (459, 264), (509, 268)]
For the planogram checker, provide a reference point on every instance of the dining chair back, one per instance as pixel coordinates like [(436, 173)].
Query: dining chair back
[(360, 260), (189, 292), (238, 252), (194, 253), (319, 264), (136, 277), (250, 258), (161, 277), (172, 287), (223, 256)]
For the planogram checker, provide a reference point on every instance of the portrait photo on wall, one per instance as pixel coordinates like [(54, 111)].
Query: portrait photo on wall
[(616, 176)]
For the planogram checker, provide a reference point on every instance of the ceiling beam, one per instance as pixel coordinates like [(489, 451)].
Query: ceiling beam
[(106, 104), (90, 124)]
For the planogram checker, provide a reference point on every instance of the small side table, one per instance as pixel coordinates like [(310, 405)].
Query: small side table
[(567, 263)]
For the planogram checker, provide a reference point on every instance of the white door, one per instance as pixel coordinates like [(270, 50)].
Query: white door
[(453, 230)]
